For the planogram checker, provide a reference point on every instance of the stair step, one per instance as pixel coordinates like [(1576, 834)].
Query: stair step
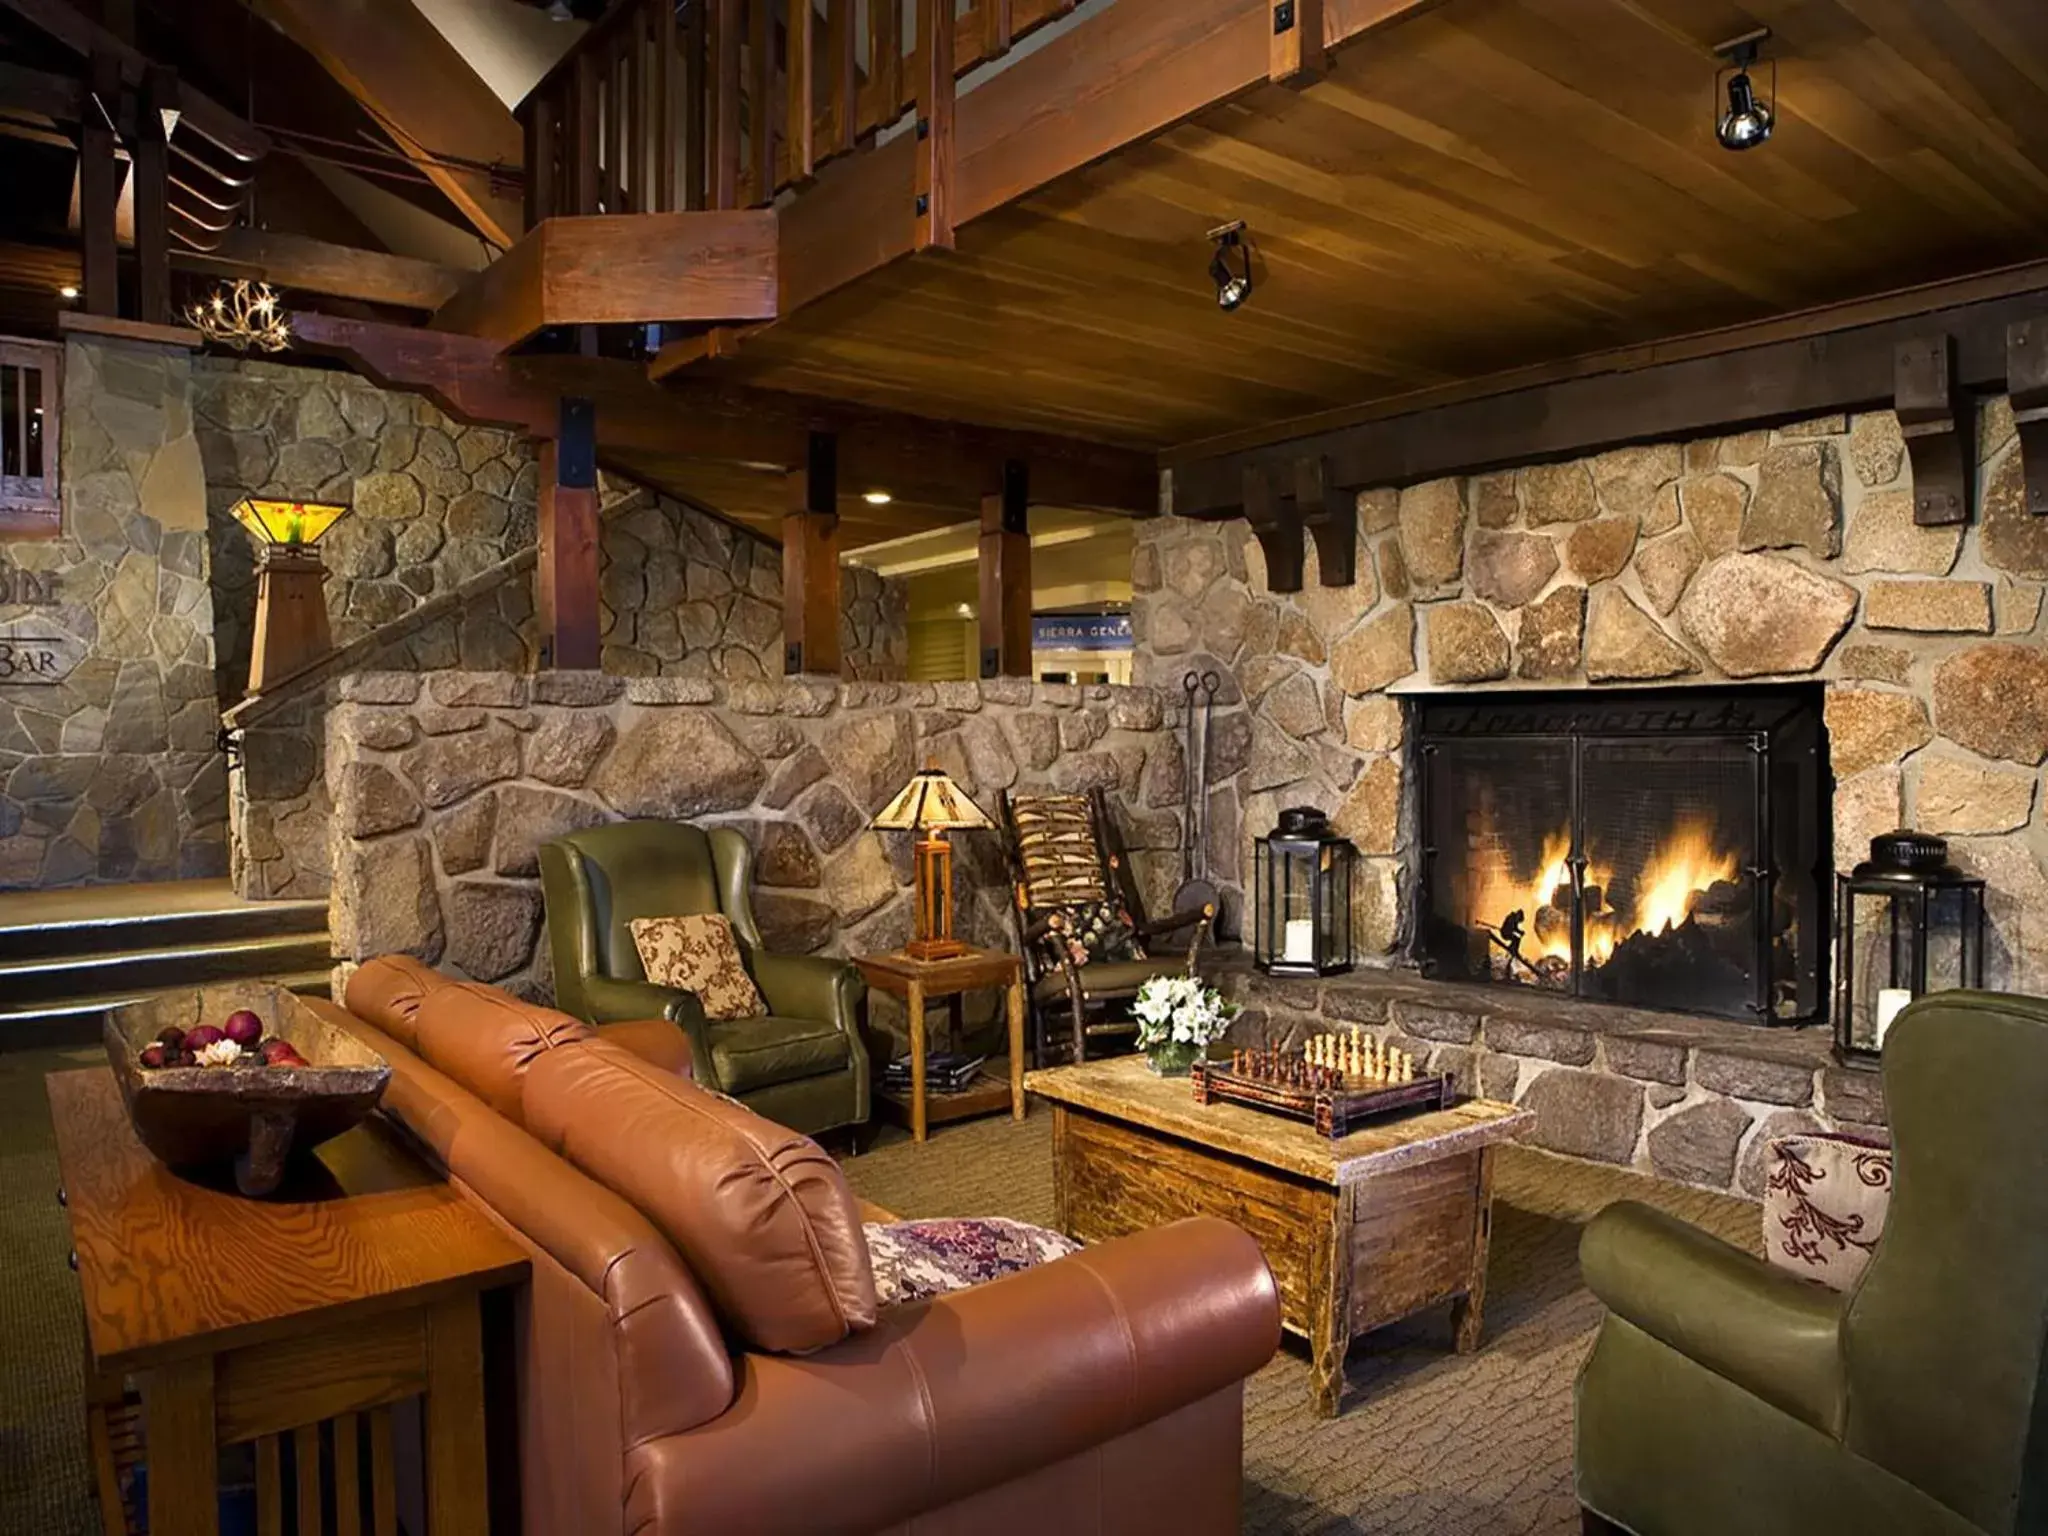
[(55, 929), (76, 1021), (66, 977)]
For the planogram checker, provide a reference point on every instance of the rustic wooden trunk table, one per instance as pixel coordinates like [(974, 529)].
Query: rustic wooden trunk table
[(264, 1321), (1359, 1231)]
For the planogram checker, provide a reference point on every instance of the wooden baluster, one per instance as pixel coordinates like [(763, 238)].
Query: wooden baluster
[(539, 122), (348, 1477), (582, 149), (802, 88), (996, 26), (269, 1488), (885, 61), (934, 176), (760, 103), (306, 1477), (670, 92), (383, 1476), (725, 107), (842, 66), (639, 195)]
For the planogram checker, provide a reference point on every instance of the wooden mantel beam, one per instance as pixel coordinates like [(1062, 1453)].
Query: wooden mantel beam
[(630, 268), (916, 458), (334, 271)]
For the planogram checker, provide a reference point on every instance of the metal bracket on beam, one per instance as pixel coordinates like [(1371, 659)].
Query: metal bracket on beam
[(2026, 374), (1276, 521), (1939, 424), (1331, 518)]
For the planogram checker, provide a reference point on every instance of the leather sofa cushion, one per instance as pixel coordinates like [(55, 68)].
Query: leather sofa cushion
[(388, 991), (486, 1040), (655, 1040), (759, 1053), (762, 1216)]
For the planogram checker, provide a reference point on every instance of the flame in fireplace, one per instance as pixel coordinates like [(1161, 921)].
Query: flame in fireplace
[(1682, 868)]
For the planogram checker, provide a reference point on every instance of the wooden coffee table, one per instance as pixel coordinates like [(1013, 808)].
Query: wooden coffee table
[(1359, 1231)]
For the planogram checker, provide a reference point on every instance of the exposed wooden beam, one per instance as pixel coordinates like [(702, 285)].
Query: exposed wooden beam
[(914, 457), (411, 80), (565, 584), (332, 271), (1005, 554), (810, 563), (674, 356), (1820, 372), (201, 113), (602, 269)]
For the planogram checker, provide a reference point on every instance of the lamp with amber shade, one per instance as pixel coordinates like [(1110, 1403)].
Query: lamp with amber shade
[(931, 805), (291, 611)]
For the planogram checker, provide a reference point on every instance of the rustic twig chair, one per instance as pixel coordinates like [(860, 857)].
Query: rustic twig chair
[(1083, 938)]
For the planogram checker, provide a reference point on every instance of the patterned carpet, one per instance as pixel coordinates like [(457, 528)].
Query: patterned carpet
[(1430, 1444)]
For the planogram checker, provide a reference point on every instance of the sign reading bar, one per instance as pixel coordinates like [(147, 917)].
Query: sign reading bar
[(36, 658), (1081, 632)]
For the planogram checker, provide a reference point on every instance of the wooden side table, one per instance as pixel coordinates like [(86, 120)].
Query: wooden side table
[(919, 982), (302, 1318)]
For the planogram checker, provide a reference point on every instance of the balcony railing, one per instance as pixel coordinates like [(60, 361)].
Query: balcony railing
[(680, 105)]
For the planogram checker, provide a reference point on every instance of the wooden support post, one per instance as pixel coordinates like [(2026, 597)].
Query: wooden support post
[(567, 575), (810, 565), (885, 59), (1006, 576), (667, 87), (99, 185), (842, 67), (760, 104), (802, 88), (1276, 522), (543, 128), (2026, 376), (151, 172), (1331, 517), (582, 171), (725, 106), (996, 27), (934, 176), (1297, 55), (1938, 422)]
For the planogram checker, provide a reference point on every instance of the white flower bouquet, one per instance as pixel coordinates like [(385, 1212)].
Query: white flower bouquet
[(1178, 1019)]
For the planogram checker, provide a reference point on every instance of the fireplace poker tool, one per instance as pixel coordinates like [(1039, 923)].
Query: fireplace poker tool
[(1196, 888)]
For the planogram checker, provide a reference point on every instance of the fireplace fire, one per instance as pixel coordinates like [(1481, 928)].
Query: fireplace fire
[(1665, 849)]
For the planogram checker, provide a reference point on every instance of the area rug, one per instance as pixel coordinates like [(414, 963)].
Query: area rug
[(1430, 1443)]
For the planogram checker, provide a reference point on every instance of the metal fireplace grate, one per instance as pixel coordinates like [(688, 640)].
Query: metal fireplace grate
[(1663, 849)]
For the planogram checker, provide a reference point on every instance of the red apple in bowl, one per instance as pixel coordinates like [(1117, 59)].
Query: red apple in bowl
[(197, 1040), (244, 1028)]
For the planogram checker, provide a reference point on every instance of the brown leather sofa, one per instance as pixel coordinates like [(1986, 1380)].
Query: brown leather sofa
[(1099, 1393)]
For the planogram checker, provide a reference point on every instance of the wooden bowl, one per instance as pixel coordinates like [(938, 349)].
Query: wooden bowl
[(254, 1116)]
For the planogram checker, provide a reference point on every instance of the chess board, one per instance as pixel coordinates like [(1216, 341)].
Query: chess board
[(1335, 1105)]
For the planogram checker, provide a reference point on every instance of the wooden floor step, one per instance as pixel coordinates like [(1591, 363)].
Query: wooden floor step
[(64, 978), (92, 920), (76, 1021)]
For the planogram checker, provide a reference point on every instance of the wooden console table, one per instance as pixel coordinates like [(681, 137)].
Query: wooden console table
[(270, 1320), (1359, 1230), (919, 982)]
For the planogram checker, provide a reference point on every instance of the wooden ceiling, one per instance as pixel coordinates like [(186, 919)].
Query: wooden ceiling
[(1490, 184)]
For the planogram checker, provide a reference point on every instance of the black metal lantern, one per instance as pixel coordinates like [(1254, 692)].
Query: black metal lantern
[(1907, 922), (1302, 886)]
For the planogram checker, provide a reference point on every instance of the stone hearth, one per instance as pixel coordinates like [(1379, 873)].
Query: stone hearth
[(1687, 1098)]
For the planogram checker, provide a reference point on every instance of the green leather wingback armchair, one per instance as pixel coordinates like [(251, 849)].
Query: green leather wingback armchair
[(1725, 1396), (802, 1065)]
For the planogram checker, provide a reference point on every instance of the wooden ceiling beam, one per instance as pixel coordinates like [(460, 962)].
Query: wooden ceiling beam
[(422, 92), (1816, 370), (916, 459), (631, 268), (332, 271)]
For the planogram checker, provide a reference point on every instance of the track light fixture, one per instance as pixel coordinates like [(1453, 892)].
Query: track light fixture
[(1745, 120), (1233, 285)]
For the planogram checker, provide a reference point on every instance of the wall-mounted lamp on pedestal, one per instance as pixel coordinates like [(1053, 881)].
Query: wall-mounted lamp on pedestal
[(291, 610)]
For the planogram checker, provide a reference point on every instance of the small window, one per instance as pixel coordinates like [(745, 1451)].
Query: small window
[(29, 507)]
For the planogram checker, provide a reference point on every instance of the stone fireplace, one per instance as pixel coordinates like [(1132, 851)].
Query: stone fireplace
[(1661, 848)]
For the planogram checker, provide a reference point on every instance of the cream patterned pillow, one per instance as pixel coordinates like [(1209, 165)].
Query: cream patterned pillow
[(700, 955)]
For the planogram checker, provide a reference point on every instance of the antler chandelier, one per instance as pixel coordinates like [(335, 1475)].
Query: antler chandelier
[(242, 314)]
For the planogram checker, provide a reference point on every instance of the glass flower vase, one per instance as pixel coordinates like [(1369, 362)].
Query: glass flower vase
[(1172, 1058)]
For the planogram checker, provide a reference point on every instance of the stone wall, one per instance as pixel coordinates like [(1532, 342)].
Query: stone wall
[(112, 772), (1773, 554), (445, 787)]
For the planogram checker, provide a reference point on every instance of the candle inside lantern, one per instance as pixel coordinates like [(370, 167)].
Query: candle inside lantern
[(1889, 1001), (1300, 946)]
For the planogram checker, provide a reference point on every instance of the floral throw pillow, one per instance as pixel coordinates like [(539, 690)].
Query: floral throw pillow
[(916, 1260), (1824, 1206), (1092, 931), (698, 954)]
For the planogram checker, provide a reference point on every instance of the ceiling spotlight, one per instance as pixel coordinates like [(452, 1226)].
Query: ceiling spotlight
[(68, 291), (1747, 119), (876, 498), (1233, 285)]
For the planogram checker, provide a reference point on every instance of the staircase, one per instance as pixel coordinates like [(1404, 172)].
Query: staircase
[(67, 956)]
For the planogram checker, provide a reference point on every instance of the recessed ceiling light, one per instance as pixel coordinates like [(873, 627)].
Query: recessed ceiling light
[(68, 291), (877, 498)]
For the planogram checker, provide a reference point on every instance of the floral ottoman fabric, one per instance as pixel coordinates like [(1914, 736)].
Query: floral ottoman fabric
[(915, 1260), (1824, 1206)]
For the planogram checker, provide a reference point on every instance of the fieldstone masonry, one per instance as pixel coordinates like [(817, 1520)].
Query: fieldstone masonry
[(445, 786), (1766, 555)]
